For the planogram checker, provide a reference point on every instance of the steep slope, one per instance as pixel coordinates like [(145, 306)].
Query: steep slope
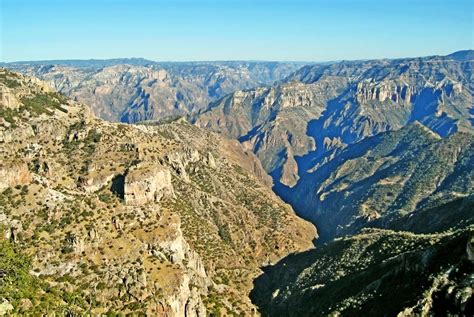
[(374, 273), (411, 180), (290, 126), (163, 219), (442, 215), (133, 90), (384, 177)]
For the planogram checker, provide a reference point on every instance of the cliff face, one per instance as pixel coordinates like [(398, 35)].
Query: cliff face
[(14, 174), (162, 219), (147, 183)]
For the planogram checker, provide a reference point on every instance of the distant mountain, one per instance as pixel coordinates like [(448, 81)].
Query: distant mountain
[(82, 63), (132, 90), (292, 124), (466, 55), (300, 126)]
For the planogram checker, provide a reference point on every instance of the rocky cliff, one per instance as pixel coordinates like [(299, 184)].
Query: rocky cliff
[(14, 174), (147, 183)]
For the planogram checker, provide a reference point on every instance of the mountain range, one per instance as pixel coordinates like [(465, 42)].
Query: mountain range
[(133, 90), (302, 127)]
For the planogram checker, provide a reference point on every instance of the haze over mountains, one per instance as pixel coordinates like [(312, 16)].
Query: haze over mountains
[(377, 154)]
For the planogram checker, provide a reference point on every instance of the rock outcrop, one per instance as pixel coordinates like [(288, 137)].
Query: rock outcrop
[(147, 182), (14, 173), (93, 183), (380, 91), (179, 161)]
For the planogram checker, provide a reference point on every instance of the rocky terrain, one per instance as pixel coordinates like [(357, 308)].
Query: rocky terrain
[(132, 90), (170, 218), (384, 178), (291, 126), (99, 217)]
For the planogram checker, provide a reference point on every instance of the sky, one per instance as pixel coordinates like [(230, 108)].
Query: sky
[(190, 30)]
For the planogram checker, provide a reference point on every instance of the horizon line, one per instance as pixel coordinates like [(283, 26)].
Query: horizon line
[(224, 60)]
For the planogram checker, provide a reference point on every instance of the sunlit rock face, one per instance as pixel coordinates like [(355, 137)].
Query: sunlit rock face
[(147, 183)]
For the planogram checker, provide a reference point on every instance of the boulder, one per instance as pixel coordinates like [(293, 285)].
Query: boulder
[(211, 161)]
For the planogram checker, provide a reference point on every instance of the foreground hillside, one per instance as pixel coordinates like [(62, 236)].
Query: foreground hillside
[(99, 217), (132, 90), (374, 273)]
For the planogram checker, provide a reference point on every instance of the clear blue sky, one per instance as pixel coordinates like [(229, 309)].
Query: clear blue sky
[(180, 30)]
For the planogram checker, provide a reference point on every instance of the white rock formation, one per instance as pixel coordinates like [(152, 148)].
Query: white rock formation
[(147, 182)]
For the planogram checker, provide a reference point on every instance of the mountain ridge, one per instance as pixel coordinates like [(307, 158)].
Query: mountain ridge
[(318, 109)]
